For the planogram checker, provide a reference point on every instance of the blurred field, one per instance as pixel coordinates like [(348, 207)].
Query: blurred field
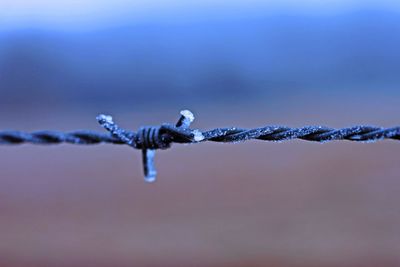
[(233, 63), (253, 204)]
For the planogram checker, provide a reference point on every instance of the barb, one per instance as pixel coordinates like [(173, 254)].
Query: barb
[(151, 138)]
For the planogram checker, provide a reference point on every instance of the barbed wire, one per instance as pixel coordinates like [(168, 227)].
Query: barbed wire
[(151, 138)]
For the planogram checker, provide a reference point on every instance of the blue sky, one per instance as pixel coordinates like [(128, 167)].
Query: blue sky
[(84, 14)]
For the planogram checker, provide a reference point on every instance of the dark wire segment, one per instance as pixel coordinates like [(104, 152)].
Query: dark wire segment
[(167, 134), (151, 138)]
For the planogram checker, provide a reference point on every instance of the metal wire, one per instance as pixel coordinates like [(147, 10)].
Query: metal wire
[(171, 134), (161, 137)]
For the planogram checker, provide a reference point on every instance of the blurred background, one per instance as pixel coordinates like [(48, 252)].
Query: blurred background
[(240, 63)]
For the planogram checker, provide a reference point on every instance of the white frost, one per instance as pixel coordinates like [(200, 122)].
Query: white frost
[(198, 136), (107, 118), (188, 114)]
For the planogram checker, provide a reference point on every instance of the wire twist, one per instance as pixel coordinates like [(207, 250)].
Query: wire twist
[(151, 138)]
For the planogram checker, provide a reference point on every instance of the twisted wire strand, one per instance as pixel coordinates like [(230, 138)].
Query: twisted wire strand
[(173, 134), (150, 138), (54, 137)]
